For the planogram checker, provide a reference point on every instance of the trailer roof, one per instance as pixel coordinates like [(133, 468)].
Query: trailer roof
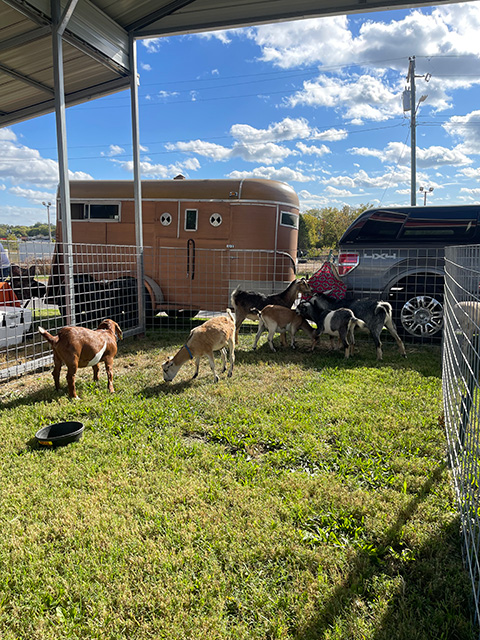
[(96, 50), (195, 190)]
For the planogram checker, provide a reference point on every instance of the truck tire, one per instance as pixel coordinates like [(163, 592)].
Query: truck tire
[(419, 307)]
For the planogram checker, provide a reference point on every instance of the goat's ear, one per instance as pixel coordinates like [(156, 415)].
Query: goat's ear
[(31, 271), (119, 332), (15, 269)]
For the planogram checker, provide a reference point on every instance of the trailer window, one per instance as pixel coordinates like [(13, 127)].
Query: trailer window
[(191, 219), (77, 211), (84, 211), (103, 211), (288, 219)]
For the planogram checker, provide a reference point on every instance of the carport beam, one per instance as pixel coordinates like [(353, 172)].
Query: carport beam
[(62, 158), (137, 181)]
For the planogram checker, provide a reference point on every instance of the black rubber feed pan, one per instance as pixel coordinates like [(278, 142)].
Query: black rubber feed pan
[(59, 434)]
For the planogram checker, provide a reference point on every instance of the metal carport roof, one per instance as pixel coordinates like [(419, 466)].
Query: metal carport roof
[(96, 36)]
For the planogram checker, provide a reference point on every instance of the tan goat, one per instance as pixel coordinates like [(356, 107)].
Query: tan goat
[(277, 319), (213, 335)]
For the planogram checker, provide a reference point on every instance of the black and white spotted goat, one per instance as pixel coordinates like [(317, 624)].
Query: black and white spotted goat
[(375, 314), (338, 324)]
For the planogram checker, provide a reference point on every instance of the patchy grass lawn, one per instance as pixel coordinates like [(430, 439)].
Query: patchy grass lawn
[(306, 497)]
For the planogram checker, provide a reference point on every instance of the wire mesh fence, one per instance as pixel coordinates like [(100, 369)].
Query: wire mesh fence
[(36, 293), (461, 397), (179, 284)]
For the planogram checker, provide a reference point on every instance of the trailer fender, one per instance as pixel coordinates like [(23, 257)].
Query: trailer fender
[(154, 291)]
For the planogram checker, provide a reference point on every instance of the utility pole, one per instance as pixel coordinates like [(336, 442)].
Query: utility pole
[(413, 133), (409, 104)]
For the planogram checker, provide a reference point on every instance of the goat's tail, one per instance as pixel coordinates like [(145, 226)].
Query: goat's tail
[(48, 336), (230, 315), (233, 297), (386, 307), (356, 322)]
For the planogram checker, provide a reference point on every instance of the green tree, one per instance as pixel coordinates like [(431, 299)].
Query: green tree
[(322, 229), (308, 232)]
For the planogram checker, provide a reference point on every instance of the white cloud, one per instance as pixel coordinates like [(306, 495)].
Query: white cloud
[(429, 157), (303, 42), (164, 95), (358, 97), (207, 149), (152, 45), (160, 171), (287, 129), (260, 145), (330, 135), (113, 150), (223, 35), (471, 173), (284, 174), (339, 193), (34, 196), (145, 66), (264, 152), (466, 130), (21, 165), (312, 201), (312, 149)]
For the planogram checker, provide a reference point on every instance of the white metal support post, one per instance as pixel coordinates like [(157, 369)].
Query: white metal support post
[(137, 182), (59, 23)]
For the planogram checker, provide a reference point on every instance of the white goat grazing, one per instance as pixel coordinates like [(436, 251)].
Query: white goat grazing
[(213, 335), (279, 319)]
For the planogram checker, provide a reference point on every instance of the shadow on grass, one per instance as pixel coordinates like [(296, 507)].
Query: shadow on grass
[(434, 600)]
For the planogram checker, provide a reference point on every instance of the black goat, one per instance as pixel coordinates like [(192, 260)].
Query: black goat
[(376, 314), (24, 285)]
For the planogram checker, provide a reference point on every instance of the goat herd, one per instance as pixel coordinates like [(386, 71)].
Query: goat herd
[(78, 347), (336, 318)]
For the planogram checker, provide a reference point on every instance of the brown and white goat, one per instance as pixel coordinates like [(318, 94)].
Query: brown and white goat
[(213, 335), (277, 319), (78, 347), (244, 301)]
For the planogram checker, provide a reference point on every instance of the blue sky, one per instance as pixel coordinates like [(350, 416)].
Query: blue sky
[(315, 103)]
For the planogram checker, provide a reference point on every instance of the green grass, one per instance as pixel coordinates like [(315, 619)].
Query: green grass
[(306, 497)]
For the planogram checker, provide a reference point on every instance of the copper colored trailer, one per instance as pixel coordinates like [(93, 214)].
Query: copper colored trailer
[(202, 238)]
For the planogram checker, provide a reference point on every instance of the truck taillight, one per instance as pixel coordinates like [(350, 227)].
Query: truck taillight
[(347, 262)]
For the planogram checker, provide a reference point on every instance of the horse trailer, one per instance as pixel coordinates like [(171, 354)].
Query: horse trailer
[(202, 238)]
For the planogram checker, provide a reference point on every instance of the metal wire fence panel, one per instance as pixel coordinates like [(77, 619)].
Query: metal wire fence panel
[(461, 368), (36, 293), (193, 280), (179, 283)]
